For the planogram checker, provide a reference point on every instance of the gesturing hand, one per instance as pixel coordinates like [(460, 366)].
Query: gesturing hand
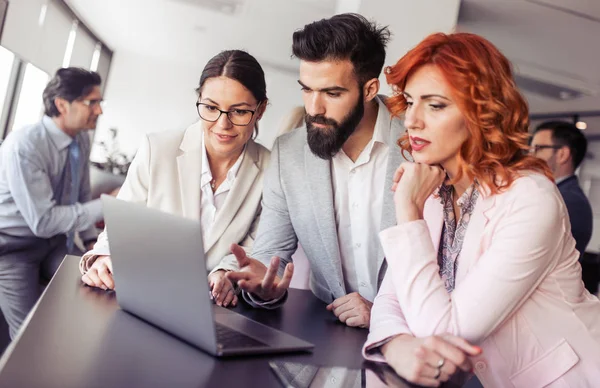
[(254, 277), (413, 184), (352, 309)]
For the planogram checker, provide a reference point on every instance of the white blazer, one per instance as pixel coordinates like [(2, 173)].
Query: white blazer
[(165, 175)]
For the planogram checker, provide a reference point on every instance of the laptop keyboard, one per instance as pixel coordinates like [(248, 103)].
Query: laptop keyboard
[(229, 338)]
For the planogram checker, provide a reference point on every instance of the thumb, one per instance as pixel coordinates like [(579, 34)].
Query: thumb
[(240, 255)]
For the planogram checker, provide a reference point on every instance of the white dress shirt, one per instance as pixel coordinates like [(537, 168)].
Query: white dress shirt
[(358, 201), (211, 203)]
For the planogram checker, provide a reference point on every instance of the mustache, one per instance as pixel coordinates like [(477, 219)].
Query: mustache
[(320, 119)]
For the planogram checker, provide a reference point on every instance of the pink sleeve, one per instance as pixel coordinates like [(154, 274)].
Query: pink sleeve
[(525, 247), (387, 320)]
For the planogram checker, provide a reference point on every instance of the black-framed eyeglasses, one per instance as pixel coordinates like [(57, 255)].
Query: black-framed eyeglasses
[(536, 148), (238, 117)]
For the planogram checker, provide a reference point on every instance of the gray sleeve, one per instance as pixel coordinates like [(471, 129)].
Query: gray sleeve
[(32, 192), (275, 235)]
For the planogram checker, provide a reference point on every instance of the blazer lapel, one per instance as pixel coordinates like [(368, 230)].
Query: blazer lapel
[(190, 159), (243, 183), (433, 213), (318, 176), (471, 246), (388, 214)]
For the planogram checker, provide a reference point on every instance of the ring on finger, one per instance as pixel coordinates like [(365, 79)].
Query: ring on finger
[(438, 372), (441, 363)]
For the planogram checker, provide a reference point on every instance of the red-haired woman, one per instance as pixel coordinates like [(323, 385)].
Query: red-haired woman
[(482, 253)]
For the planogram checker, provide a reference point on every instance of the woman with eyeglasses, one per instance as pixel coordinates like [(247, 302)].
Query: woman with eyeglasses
[(483, 274), (211, 172)]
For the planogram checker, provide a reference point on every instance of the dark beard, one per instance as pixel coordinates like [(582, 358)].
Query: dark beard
[(326, 142)]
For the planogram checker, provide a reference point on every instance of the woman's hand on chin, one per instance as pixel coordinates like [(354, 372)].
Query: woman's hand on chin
[(413, 184)]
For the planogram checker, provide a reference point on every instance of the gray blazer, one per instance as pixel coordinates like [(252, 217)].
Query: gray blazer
[(298, 207)]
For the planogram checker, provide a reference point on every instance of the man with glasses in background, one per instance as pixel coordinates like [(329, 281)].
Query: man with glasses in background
[(45, 196), (563, 146)]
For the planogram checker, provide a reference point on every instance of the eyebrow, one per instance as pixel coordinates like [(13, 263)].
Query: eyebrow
[(328, 89), (239, 104), (427, 96)]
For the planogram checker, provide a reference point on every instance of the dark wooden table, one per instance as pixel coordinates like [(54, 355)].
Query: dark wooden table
[(78, 337)]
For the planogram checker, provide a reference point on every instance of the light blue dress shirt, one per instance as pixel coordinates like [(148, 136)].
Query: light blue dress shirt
[(35, 190)]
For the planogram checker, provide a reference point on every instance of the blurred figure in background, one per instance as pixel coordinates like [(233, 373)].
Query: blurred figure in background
[(45, 195), (563, 146)]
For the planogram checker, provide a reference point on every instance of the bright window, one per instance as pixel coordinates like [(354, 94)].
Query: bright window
[(6, 62), (30, 105)]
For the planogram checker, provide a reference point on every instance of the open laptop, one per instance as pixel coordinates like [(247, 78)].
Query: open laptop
[(161, 277)]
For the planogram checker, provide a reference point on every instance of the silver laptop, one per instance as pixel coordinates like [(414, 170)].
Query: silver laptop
[(161, 277)]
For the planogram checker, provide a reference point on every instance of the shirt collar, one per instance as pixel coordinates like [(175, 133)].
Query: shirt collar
[(562, 179), (470, 195), (60, 139), (381, 133), (206, 176)]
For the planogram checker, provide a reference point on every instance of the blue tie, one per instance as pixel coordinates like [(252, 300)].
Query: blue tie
[(74, 166)]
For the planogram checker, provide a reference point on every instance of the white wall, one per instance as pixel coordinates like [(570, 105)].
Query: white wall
[(410, 22), (149, 93), (145, 94)]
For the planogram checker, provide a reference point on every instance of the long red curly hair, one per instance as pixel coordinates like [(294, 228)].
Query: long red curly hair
[(496, 114)]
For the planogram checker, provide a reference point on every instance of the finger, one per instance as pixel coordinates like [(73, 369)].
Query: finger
[(93, 276), (228, 298), (284, 283), (432, 359), (358, 321), (250, 285), (86, 279), (106, 277), (222, 295), (234, 302), (398, 173), (108, 263), (269, 278), (349, 313), (427, 382), (449, 352), (343, 309), (339, 301), (219, 283), (240, 255), (236, 276), (462, 344)]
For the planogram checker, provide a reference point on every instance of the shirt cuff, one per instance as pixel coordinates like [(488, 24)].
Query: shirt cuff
[(376, 347), (85, 263), (94, 210), (266, 304)]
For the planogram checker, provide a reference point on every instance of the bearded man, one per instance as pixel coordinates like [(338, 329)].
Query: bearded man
[(329, 183)]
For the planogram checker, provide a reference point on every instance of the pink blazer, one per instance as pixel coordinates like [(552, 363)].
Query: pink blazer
[(518, 295)]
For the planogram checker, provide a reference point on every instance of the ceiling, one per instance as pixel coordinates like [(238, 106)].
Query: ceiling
[(553, 41), (191, 31)]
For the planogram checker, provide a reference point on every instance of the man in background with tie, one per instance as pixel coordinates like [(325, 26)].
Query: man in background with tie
[(45, 196)]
